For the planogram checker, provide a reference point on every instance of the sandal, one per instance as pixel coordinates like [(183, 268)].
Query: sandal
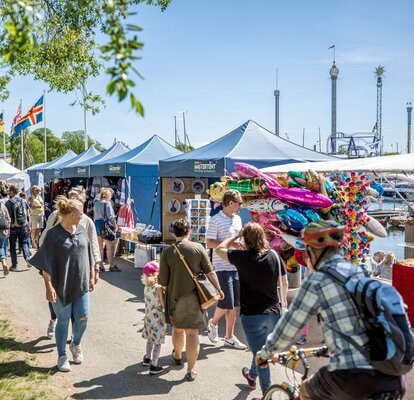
[(115, 268), (177, 361)]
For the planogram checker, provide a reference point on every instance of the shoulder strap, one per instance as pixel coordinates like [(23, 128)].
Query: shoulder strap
[(342, 280), (279, 266), (199, 288)]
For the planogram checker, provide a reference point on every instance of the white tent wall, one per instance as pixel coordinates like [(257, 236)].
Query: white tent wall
[(402, 163)]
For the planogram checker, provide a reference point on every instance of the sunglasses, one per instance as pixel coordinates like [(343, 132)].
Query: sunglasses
[(74, 240)]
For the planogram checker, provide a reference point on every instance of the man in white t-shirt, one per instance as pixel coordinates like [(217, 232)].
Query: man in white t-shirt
[(222, 226)]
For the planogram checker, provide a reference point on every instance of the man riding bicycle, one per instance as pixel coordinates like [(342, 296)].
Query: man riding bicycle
[(348, 374)]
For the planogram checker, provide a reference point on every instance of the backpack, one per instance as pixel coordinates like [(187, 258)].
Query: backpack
[(19, 213), (383, 312), (4, 221)]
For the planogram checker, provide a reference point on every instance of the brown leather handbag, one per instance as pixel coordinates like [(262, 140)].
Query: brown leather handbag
[(207, 293)]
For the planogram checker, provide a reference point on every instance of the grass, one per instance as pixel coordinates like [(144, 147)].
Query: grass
[(20, 377)]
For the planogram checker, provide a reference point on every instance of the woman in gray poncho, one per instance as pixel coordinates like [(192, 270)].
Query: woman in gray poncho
[(65, 260)]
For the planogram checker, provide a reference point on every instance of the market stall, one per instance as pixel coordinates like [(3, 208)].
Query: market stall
[(248, 143)]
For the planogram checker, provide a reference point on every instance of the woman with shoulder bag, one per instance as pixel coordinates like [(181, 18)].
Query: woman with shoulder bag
[(260, 306), (183, 308), (104, 218)]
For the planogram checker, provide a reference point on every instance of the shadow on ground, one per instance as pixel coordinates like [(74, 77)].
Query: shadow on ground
[(136, 381)]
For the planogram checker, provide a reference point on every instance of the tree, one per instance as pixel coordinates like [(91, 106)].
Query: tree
[(56, 41), (34, 147), (185, 148), (76, 141)]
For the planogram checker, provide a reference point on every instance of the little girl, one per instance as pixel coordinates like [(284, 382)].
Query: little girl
[(154, 320)]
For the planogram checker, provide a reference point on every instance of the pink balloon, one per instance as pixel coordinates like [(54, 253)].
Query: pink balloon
[(300, 196), (278, 244), (244, 170)]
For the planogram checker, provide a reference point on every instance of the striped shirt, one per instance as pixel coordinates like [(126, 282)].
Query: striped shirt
[(319, 294), (220, 228)]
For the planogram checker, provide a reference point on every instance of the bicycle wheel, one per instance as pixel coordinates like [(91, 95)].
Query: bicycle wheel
[(278, 392)]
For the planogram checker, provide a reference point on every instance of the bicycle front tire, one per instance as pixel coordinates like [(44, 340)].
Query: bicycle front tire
[(278, 392)]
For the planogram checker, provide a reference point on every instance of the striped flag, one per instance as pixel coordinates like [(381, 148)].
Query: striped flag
[(17, 117), (32, 117)]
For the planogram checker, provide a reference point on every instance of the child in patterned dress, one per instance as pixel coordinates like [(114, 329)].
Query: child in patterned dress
[(154, 320)]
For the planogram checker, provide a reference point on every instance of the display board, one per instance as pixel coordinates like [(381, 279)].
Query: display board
[(175, 191), (198, 214)]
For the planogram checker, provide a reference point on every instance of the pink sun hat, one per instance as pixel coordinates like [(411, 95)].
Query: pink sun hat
[(151, 268)]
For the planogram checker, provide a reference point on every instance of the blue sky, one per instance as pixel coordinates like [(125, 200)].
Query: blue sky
[(217, 61)]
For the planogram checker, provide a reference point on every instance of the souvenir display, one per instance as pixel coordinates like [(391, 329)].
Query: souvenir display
[(197, 186), (198, 214), (177, 185), (265, 205), (174, 206)]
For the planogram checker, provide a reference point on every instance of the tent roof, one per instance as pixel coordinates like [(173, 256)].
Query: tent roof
[(141, 161), (396, 164), (7, 170), (249, 142), (147, 153), (81, 158), (63, 158), (116, 150)]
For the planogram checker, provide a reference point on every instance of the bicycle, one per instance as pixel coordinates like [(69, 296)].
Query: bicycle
[(290, 390)]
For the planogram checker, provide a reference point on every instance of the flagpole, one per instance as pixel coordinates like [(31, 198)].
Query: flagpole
[(84, 116), (21, 145), (44, 122)]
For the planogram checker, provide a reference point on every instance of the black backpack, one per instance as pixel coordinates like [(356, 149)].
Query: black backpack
[(391, 343), (19, 213)]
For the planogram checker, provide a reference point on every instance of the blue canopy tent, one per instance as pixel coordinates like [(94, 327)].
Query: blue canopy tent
[(140, 165), (81, 169), (35, 170), (56, 171), (250, 143)]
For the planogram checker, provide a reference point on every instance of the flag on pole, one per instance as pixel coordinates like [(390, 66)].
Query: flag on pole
[(17, 117), (32, 117), (1, 123)]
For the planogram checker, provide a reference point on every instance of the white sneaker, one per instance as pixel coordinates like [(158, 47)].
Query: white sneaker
[(212, 331), (51, 328), (235, 343), (76, 353), (63, 364)]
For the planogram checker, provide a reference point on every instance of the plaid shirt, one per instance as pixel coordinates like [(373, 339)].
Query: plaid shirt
[(319, 294)]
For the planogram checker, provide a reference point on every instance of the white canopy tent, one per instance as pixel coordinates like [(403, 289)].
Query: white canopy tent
[(402, 163), (7, 170), (21, 180)]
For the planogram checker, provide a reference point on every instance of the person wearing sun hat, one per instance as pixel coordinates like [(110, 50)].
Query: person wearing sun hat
[(154, 319)]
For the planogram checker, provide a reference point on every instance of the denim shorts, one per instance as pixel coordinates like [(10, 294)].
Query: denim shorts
[(99, 224), (230, 285)]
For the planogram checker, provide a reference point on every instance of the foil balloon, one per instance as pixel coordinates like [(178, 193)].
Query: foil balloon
[(300, 257), (217, 190), (375, 227), (292, 265), (278, 244), (244, 170), (265, 205), (300, 196), (310, 214), (293, 219)]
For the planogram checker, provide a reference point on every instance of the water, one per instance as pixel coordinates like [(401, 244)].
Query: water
[(395, 235)]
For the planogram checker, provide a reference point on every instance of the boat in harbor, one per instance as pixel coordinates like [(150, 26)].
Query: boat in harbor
[(405, 189)]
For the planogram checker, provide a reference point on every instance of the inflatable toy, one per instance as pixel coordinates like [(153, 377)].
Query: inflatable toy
[(265, 205), (300, 196), (293, 219)]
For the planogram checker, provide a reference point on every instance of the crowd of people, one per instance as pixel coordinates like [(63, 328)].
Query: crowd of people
[(243, 269)]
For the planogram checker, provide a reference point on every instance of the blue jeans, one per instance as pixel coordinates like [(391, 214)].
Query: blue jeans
[(4, 245), (80, 310), (256, 328), (23, 236)]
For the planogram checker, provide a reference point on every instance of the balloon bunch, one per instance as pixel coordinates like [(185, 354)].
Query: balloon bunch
[(284, 204), (349, 192)]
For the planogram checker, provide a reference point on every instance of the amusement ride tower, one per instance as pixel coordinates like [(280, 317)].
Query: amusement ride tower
[(379, 73), (333, 72)]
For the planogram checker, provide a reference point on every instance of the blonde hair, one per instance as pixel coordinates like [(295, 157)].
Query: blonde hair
[(79, 193), (390, 258), (35, 187), (149, 280), (67, 206), (106, 193), (255, 238)]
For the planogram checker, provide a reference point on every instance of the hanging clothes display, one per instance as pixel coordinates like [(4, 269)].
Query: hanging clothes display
[(125, 216)]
